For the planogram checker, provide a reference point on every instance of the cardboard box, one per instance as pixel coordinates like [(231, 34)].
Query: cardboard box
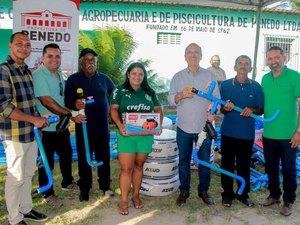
[(142, 123)]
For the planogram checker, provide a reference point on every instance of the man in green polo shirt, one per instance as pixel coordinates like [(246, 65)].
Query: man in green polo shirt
[(281, 137)]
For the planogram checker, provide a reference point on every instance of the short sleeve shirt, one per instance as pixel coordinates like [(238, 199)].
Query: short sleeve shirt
[(99, 86), (281, 93), (46, 84), (248, 94), (137, 101)]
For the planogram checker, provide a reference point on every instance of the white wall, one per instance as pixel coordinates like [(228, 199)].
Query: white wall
[(168, 59)]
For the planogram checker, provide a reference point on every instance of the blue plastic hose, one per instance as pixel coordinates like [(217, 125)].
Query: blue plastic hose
[(86, 141), (87, 147), (208, 95), (220, 170), (43, 155)]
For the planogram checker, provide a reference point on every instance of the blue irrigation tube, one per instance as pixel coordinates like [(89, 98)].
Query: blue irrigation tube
[(87, 147), (208, 95), (43, 155), (255, 181), (258, 178), (220, 170), (258, 148), (260, 158), (86, 142)]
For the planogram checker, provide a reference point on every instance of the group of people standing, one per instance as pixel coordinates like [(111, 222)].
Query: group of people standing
[(280, 89), (26, 99)]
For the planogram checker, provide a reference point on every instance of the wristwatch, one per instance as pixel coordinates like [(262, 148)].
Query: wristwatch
[(298, 129)]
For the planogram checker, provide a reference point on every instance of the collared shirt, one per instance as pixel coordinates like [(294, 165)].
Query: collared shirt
[(133, 101), (218, 72), (47, 84), (248, 94), (281, 93), (192, 112), (16, 91), (99, 86)]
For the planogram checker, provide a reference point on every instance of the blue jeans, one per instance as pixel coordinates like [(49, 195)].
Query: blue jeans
[(274, 151), (185, 143)]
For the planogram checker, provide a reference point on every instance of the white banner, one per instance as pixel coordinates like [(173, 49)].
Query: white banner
[(49, 21)]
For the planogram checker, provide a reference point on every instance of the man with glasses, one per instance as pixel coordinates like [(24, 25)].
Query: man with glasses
[(49, 91), (191, 118)]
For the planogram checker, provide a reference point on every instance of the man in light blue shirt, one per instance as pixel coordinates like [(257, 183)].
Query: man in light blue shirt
[(191, 119), (49, 90)]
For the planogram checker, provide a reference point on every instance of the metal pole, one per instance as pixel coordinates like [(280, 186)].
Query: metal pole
[(258, 19)]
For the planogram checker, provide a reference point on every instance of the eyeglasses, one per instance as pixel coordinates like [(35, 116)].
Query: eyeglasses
[(61, 90)]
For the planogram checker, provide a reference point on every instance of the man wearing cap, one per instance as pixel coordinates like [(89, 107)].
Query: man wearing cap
[(99, 86)]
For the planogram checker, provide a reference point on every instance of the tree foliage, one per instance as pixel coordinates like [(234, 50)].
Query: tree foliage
[(296, 4), (157, 83), (114, 47)]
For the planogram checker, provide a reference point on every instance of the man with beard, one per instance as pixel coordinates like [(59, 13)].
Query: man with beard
[(49, 87), (99, 86), (281, 137)]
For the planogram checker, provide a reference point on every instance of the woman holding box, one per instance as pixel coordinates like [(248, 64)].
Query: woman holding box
[(133, 96)]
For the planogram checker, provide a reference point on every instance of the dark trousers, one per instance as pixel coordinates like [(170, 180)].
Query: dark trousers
[(236, 154), (59, 143), (100, 146), (276, 151)]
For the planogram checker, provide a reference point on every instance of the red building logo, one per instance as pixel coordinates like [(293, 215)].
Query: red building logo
[(46, 19)]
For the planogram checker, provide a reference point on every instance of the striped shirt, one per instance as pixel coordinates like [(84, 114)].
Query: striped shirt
[(16, 91)]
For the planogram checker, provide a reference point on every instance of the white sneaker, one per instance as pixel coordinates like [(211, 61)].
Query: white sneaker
[(109, 193), (71, 187), (53, 201)]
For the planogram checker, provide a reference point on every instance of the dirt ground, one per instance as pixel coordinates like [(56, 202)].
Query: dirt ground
[(101, 210), (90, 215), (241, 216)]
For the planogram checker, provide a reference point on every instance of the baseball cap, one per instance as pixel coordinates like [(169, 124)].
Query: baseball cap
[(86, 51)]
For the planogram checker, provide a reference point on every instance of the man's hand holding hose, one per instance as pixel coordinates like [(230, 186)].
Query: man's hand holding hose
[(185, 93)]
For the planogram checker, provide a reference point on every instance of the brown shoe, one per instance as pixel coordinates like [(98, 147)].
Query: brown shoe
[(270, 201), (183, 196), (286, 209), (53, 201), (207, 199)]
